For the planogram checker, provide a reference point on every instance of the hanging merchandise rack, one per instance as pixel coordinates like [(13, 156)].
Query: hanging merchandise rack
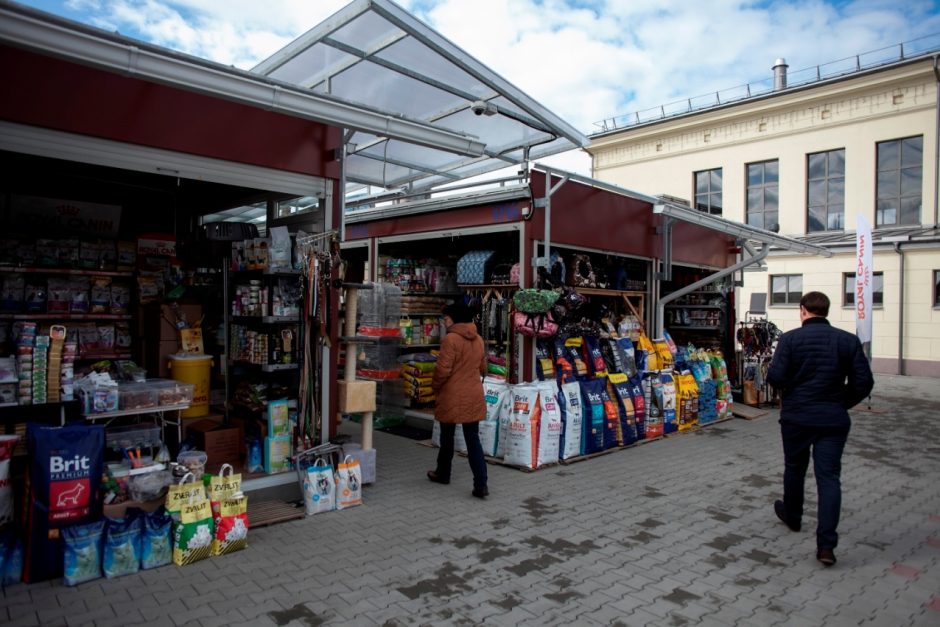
[(758, 336), (319, 255)]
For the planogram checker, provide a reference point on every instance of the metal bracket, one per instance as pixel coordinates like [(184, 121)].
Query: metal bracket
[(540, 203)]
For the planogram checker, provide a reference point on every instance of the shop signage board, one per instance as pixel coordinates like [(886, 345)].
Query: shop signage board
[(863, 278), (57, 216)]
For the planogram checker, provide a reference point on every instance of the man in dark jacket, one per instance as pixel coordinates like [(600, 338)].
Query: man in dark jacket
[(821, 372)]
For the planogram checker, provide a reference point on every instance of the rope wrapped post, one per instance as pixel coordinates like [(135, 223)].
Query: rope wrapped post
[(355, 396)]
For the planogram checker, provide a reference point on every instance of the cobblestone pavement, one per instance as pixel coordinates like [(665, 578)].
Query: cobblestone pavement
[(672, 532)]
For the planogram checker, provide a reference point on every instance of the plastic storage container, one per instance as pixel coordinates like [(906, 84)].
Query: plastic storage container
[(170, 392), (194, 462), (132, 436), (136, 396)]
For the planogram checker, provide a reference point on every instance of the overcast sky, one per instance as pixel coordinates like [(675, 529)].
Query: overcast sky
[(586, 60)]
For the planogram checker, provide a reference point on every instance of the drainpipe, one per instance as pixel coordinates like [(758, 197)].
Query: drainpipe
[(897, 249), (711, 278), (936, 177)]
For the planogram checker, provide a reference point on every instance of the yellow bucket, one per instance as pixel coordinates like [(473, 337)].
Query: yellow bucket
[(193, 369)]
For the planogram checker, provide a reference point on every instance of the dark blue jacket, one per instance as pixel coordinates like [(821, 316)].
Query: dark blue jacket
[(821, 372)]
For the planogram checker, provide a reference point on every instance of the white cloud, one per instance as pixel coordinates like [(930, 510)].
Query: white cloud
[(602, 59)]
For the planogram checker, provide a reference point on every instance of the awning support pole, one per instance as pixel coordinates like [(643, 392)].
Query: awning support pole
[(547, 204), (711, 278), (666, 232)]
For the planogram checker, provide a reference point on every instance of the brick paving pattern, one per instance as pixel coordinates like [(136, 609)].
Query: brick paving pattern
[(679, 531)]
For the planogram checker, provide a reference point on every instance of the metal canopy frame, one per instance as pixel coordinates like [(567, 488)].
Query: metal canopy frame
[(374, 54)]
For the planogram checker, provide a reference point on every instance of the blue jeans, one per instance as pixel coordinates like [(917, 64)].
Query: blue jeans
[(471, 435), (826, 445)]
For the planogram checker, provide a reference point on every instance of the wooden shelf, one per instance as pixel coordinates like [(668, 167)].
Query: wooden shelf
[(63, 316), (693, 327), (266, 319), (67, 271), (694, 306)]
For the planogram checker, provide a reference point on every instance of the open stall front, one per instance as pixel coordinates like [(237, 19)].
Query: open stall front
[(655, 251)]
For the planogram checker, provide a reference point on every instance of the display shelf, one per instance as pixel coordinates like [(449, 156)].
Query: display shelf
[(135, 412), (694, 306), (104, 355), (267, 319), (698, 328), (63, 316), (283, 272), (403, 346), (68, 271), (483, 286), (266, 367)]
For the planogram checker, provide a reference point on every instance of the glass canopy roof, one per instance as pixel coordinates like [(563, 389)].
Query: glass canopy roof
[(375, 55)]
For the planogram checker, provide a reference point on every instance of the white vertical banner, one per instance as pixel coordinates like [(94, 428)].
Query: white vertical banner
[(863, 278)]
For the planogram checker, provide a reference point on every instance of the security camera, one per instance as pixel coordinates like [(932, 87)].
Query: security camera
[(482, 107)]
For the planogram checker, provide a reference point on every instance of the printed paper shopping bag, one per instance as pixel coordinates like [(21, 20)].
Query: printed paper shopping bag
[(229, 511), (319, 488), (348, 483), (192, 534), (181, 493)]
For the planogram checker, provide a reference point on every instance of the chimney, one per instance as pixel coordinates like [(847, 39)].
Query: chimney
[(780, 74)]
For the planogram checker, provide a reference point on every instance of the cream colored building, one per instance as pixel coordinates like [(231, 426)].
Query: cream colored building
[(807, 159)]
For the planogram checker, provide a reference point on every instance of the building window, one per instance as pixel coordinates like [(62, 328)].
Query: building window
[(877, 289), (708, 191), (786, 289), (936, 288), (900, 176), (762, 195), (825, 190)]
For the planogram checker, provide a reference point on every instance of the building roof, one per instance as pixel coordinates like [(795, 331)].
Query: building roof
[(374, 54), (891, 235)]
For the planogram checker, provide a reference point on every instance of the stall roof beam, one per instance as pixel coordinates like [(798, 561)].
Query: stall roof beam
[(692, 216), (46, 34)]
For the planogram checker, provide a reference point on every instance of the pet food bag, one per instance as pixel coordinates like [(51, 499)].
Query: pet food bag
[(594, 358), (653, 395), (572, 420), (229, 511), (595, 419), (639, 405), (495, 392), (7, 445), (64, 478), (192, 533), (667, 390), (156, 543), (122, 540), (348, 483), (505, 413), (523, 427), (319, 488), (11, 557), (82, 554), (549, 425), (618, 389)]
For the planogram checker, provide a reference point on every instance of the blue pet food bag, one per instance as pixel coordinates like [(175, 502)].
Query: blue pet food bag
[(156, 544), (82, 561)]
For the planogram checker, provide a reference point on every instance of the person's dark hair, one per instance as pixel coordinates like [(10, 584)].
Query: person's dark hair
[(458, 312), (815, 303)]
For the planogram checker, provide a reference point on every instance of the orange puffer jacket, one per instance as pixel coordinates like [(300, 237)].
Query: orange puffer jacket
[(458, 376)]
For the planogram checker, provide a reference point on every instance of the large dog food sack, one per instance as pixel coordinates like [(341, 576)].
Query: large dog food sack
[(572, 420), (595, 418), (667, 390), (653, 395), (639, 405), (618, 389), (495, 392), (550, 424), (7, 444), (523, 430), (63, 488)]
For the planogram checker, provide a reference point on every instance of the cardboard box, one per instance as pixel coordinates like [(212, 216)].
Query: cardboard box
[(356, 396), (220, 442)]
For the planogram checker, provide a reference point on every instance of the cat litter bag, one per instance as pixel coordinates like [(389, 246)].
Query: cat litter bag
[(63, 490), (495, 392), (156, 541), (523, 429), (618, 388), (549, 425), (570, 406), (82, 554), (122, 540), (639, 405), (667, 390), (595, 420)]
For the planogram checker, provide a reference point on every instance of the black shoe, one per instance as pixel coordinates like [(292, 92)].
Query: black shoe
[(480, 493), (781, 513), (826, 557), (433, 476)]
